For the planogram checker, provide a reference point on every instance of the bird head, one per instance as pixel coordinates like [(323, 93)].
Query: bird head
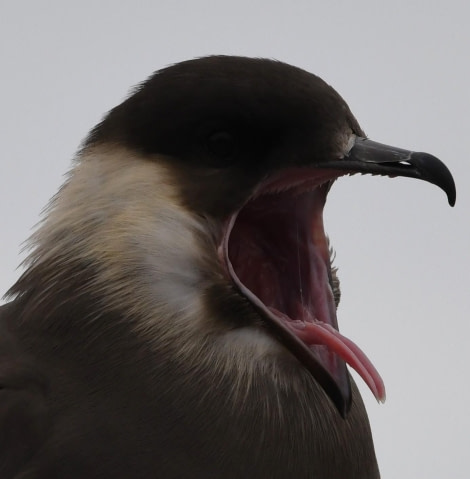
[(199, 202)]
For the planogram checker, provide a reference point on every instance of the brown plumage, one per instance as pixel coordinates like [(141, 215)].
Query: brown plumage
[(160, 328)]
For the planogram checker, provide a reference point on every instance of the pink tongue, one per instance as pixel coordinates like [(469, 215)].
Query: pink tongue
[(319, 333)]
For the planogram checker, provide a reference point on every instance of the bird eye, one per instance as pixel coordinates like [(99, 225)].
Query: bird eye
[(221, 145)]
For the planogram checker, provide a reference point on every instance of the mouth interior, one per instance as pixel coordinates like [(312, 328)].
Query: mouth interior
[(278, 255)]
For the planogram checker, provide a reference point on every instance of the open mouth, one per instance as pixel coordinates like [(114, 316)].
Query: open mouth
[(276, 252)]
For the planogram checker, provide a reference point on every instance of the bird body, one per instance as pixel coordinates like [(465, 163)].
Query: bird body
[(143, 339)]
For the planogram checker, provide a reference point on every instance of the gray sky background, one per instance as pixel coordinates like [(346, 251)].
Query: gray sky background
[(403, 253)]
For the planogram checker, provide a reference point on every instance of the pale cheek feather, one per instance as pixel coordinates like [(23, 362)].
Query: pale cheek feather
[(123, 215)]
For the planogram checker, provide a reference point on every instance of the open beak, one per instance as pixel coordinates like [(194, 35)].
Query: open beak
[(367, 156), (276, 252)]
